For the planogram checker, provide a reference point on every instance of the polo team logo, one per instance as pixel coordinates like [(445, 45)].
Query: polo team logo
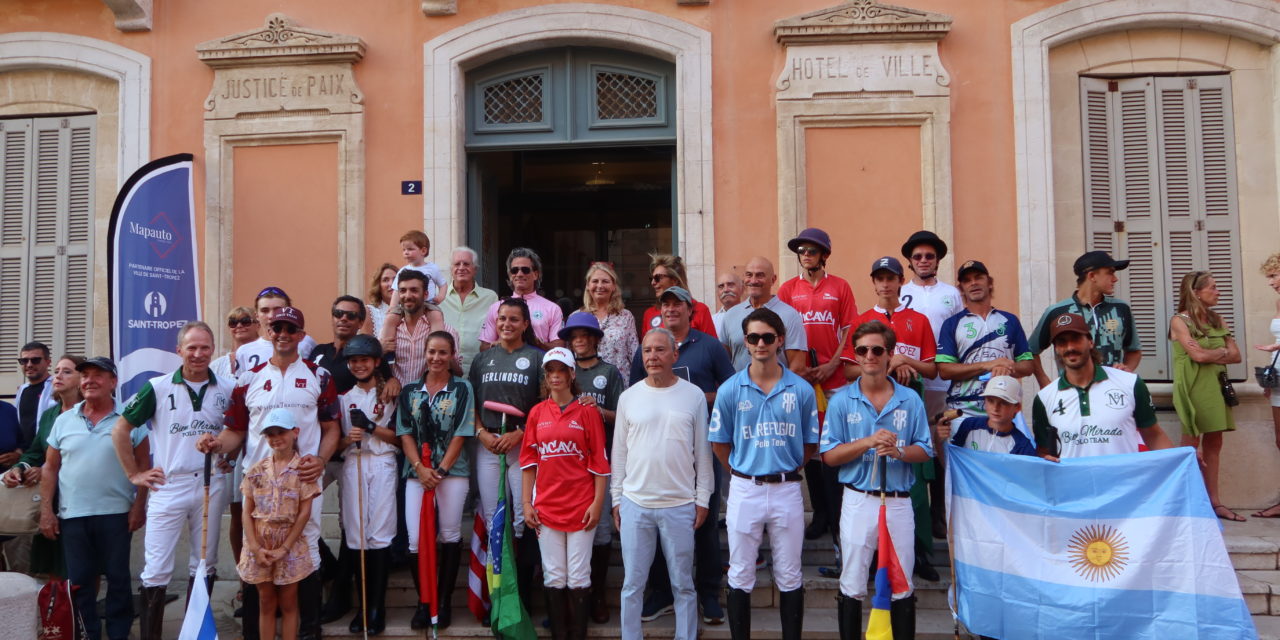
[(884, 262), (1115, 399), (855, 418), (1061, 409), (1063, 320), (600, 382), (744, 405), (789, 402), (522, 363), (899, 419), (300, 383), (1098, 552), (656, 322)]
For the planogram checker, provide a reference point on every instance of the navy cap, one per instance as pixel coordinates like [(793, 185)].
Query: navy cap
[(971, 265), (812, 235), (679, 292), (887, 263), (581, 320), (98, 362), (1094, 260)]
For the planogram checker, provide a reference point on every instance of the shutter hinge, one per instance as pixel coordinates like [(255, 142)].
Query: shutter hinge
[(62, 250), (1192, 84), (1119, 226), (1113, 86), (1199, 225)]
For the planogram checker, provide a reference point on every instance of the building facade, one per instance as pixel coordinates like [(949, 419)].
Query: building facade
[(1023, 132)]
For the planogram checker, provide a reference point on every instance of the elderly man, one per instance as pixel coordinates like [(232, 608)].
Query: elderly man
[(728, 295), (524, 269), (466, 303), (1091, 409), (183, 406), (661, 481), (758, 281), (307, 390), (98, 509)]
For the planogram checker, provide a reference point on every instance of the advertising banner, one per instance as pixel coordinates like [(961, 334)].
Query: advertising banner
[(154, 286)]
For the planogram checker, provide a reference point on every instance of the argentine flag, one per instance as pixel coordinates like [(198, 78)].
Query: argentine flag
[(1122, 547), (198, 623)]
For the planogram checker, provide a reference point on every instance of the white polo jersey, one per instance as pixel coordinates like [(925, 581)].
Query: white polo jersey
[(259, 351), (304, 388), (379, 414), (179, 412), (1098, 420), (937, 302)]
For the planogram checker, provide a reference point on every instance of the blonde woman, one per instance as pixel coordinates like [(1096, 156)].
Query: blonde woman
[(379, 298), (1202, 348), (1271, 269), (603, 299)]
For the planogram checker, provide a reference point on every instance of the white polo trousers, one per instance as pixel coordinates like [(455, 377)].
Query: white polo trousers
[(487, 471), (451, 496), (175, 505), (753, 509), (859, 539), (378, 485), (566, 558)]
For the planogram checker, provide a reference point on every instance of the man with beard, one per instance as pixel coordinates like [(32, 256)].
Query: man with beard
[(1091, 409)]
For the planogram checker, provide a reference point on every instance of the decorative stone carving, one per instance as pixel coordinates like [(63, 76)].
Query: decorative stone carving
[(131, 15), (861, 21), (440, 7), (694, 2)]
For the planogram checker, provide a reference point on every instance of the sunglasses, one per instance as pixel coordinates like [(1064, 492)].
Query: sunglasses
[(239, 322), (284, 327), (659, 277), (521, 270), (809, 251), (924, 256), (349, 315), (876, 351), (756, 338), (26, 361), (272, 291)]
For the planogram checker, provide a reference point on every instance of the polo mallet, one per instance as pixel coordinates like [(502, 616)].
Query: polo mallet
[(204, 518), (358, 419)]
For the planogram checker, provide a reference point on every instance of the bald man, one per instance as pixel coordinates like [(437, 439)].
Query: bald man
[(759, 279)]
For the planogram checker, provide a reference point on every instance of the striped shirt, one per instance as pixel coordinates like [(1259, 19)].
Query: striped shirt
[(411, 348)]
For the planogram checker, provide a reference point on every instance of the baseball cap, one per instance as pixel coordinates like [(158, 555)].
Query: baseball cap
[(1096, 260), (558, 354), (1006, 388), (812, 235), (278, 417), (1069, 322), (290, 315), (98, 362), (887, 263), (679, 292), (971, 265), (924, 237), (581, 320)]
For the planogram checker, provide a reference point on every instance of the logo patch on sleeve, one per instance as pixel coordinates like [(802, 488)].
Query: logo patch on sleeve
[(300, 383)]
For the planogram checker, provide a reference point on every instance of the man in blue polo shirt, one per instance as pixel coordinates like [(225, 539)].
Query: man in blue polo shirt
[(705, 363), (763, 428), (871, 422)]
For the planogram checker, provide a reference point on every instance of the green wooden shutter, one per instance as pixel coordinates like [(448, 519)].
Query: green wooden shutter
[(15, 198)]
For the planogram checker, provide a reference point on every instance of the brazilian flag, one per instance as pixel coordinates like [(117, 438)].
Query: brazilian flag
[(509, 618)]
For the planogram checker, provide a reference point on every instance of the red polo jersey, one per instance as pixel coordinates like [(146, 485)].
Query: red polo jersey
[(825, 309), (912, 329), (701, 320), (567, 447)]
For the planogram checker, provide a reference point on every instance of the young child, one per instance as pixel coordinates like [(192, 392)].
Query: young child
[(368, 439), (275, 556), (414, 246), (996, 431)]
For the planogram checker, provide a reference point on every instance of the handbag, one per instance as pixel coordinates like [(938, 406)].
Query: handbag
[(1228, 391), (19, 510), (1268, 377), (59, 618)]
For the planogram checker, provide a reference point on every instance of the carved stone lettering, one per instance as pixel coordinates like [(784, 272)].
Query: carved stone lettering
[(813, 70)]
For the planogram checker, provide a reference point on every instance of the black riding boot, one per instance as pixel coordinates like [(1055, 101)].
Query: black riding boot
[(377, 563), (739, 605), (849, 617), (599, 582), (339, 602), (422, 615), (249, 615), (528, 558), (558, 612), (791, 610), (151, 617), (578, 608), (448, 557), (902, 615), (310, 597)]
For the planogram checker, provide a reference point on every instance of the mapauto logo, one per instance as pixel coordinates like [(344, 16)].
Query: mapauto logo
[(160, 233)]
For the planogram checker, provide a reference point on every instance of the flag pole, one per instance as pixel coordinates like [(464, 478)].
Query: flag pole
[(204, 517), (364, 598), (884, 473)]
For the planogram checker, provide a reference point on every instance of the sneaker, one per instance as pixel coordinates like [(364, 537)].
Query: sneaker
[(654, 609), (711, 612)]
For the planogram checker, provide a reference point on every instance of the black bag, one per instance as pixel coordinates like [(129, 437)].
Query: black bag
[(1228, 391), (1268, 377)]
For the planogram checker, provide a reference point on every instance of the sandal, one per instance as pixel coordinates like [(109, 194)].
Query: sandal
[(1231, 515), (1270, 512)]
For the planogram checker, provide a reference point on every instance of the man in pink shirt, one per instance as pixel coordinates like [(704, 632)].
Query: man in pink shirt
[(524, 269)]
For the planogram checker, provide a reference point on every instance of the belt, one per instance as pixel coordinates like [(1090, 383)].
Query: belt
[(888, 494), (773, 478)]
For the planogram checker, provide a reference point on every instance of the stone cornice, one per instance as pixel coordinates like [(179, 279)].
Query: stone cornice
[(131, 15), (280, 41), (862, 21)]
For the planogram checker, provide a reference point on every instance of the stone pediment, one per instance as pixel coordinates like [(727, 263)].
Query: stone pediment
[(280, 41), (862, 21)]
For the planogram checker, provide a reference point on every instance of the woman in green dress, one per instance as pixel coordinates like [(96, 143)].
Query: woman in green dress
[(46, 554), (1202, 348)]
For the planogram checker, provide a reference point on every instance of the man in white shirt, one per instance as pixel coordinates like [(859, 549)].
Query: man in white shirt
[(728, 294), (661, 481)]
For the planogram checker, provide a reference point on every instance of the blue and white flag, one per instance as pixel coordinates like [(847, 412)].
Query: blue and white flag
[(198, 623), (1122, 547), (154, 287)]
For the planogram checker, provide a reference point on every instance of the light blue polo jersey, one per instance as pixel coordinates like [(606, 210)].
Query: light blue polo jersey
[(768, 431), (851, 416), (91, 481)]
